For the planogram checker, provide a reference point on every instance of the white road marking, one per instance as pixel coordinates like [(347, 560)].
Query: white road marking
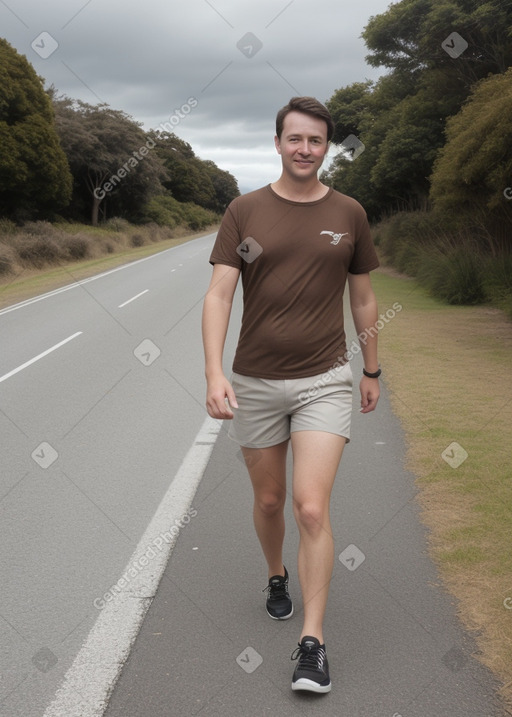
[(39, 356), (75, 284), (133, 298), (92, 676)]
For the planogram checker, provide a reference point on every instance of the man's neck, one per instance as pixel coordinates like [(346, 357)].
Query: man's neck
[(299, 191)]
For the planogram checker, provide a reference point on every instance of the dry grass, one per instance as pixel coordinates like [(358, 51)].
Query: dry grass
[(448, 372), (106, 249)]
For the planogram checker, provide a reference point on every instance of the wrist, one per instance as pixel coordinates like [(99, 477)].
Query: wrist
[(213, 373), (372, 374)]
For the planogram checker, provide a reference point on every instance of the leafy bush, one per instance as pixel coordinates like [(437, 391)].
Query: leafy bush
[(167, 211), (163, 211), (453, 264), (402, 238), (454, 276)]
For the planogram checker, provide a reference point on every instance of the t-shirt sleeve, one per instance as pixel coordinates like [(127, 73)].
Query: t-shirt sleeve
[(228, 239), (365, 257)]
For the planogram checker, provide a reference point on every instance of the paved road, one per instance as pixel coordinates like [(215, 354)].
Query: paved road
[(395, 646), (100, 401), (104, 442)]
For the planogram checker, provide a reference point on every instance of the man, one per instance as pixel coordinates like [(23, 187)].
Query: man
[(295, 242)]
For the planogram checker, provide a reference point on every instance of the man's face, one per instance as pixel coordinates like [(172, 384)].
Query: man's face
[(303, 145)]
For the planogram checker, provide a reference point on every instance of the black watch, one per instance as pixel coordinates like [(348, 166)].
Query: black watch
[(372, 375)]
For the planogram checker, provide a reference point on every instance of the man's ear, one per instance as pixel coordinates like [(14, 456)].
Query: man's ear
[(277, 144)]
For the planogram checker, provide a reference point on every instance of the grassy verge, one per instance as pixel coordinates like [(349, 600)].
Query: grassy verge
[(29, 282), (448, 372)]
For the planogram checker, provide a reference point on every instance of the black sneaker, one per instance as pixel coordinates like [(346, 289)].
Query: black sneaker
[(279, 604), (312, 670)]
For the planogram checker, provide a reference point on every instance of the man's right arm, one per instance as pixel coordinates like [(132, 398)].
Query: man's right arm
[(216, 312)]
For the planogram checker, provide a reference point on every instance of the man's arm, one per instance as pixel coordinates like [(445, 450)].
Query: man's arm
[(365, 314), (216, 312)]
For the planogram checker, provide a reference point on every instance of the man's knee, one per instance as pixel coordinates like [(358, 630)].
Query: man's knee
[(310, 515), (270, 503)]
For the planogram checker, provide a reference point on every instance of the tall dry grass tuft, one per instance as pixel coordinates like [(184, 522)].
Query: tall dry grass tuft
[(37, 245)]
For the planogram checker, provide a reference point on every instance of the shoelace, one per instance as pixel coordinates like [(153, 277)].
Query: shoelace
[(277, 589), (309, 657)]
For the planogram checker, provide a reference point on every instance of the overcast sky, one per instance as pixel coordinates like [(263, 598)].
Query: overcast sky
[(240, 62)]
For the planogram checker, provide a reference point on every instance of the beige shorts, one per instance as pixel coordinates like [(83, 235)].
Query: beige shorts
[(269, 410)]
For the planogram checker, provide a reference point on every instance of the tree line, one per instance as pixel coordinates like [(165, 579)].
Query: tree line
[(435, 125), (67, 158), (436, 170)]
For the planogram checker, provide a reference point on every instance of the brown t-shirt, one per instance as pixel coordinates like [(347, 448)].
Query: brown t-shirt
[(294, 259)]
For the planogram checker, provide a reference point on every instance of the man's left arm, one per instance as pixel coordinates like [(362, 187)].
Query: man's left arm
[(363, 304)]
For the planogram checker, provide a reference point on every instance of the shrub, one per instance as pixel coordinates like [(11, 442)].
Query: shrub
[(402, 237), (137, 239), (7, 227), (7, 260), (164, 210), (453, 264), (78, 247), (454, 276), (37, 251), (117, 224), (498, 282), (39, 229)]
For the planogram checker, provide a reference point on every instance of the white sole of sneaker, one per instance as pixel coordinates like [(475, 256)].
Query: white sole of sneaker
[(286, 617), (310, 686)]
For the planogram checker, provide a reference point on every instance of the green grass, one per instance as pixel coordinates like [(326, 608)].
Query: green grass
[(446, 368)]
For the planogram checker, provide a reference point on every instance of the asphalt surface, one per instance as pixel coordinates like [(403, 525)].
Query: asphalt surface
[(104, 442), (394, 643), (92, 435)]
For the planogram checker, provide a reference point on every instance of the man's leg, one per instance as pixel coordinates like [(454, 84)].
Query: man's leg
[(267, 470), (316, 457)]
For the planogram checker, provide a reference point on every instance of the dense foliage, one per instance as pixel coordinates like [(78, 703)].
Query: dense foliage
[(436, 170), (90, 162), (34, 173), (402, 118)]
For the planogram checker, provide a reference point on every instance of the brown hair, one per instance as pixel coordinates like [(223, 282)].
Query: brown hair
[(307, 105)]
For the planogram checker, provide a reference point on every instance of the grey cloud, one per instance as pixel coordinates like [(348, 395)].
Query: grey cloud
[(149, 58)]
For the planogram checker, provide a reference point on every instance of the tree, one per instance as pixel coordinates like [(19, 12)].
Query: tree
[(224, 184), (191, 179), (473, 171), (34, 175), (411, 36), (111, 158), (401, 118)]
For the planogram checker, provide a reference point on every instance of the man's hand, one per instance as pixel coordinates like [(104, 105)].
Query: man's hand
[(370, 392), (218, 389)]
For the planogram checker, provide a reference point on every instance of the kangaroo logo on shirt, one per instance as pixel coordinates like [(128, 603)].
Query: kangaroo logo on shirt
[(335, 237)]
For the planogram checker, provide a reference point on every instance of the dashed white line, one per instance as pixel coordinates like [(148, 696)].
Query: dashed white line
[(75, 284), (133, 298), (39, 356)]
